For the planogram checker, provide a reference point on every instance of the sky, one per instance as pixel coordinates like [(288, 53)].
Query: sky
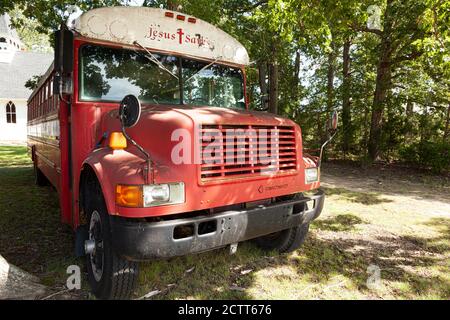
[(134, 2)]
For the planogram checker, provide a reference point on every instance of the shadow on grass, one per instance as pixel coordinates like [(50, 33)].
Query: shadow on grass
[(32, 237), (404, 264), (31, 234), (366, 198), (437, 245), (342, 222)]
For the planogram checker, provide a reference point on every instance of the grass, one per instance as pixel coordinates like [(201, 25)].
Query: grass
[(31, 235), (406, 235)]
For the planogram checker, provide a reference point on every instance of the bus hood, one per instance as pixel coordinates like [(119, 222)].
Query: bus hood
[(161, 127), (215, 115)]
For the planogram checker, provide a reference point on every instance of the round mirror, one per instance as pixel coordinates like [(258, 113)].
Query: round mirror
[(130, 111), (334, 120)]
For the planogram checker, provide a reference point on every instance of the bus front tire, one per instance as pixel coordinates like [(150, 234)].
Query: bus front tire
[(109, 275), (284, 241)]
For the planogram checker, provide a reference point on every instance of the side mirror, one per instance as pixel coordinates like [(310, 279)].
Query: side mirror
[(130, 111), (64, 50), (63, 61), (62, 84), (129, 114)]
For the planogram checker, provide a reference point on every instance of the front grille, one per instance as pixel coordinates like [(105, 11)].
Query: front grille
[(246, 151)]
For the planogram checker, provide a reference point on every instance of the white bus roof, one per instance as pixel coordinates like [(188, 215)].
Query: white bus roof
[(161, 29)]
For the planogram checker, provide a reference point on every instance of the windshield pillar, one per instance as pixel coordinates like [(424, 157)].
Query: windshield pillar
[(180, 78)]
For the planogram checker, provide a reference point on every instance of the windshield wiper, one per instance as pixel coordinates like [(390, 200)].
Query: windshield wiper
[(155, 60), (205, 67)]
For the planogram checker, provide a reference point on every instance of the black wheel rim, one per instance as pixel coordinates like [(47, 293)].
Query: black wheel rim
[(97, 257)]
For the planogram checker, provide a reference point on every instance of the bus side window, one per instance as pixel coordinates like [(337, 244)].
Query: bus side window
[(44, 94), (47, 98), (50, 91), (41, 101)]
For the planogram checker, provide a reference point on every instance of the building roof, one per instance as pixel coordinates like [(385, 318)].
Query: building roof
[(5, 29), (23, 67)]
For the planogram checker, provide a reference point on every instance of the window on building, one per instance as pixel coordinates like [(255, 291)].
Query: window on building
[(11, 113)]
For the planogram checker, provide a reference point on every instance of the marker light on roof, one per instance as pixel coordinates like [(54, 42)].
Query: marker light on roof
[(169, 14), (228, 51), (240, 55), (192, 20), (180, 17)]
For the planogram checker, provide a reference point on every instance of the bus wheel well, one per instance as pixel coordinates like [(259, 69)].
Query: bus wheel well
[(88, 183)]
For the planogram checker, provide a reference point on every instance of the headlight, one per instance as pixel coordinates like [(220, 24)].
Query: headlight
[(311, 175), (163, 194), (156, 193), (149, 195)]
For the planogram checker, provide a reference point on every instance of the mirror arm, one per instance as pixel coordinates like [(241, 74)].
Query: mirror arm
[(323, 147), (149, 166), (60, 84)]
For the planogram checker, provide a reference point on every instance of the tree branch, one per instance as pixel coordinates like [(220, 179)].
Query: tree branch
[(366, 29), (406, 57), (252, 7)]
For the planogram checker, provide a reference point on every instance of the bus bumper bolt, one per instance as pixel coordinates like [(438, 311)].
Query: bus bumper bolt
[(233, 248)]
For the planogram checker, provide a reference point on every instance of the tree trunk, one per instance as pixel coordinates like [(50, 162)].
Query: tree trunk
[(273, 84), (18, 284), (425, 125), (297, 71), (366, 126), (379, 99), (330, 81), (297, 68), (383, 83), (409, 114), (319, 128), (263, 84), (330, 90), (447, 125), (346, 114)]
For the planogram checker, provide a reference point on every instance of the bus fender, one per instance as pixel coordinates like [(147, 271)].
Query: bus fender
[(112, 167)]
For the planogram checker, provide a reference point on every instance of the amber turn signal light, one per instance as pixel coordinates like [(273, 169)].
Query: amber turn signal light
[(117, 141), (129, 196)]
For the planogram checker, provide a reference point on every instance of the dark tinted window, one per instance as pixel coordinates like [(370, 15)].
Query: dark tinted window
[(212, 85), (110, 74)]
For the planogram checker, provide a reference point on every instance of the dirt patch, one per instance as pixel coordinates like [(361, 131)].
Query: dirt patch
[(396, 188)]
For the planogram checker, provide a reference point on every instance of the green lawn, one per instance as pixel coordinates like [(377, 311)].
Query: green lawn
[(31, 235), (357, 229)]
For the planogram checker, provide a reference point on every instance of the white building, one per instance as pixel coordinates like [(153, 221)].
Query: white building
[(16, 67)]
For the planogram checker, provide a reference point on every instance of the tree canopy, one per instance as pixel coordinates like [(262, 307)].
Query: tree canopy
[(383, 64)]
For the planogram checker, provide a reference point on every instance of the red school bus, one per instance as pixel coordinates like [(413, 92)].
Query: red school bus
[(142, 126)]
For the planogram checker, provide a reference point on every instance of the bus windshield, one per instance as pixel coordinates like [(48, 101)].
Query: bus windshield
[(109, 74)]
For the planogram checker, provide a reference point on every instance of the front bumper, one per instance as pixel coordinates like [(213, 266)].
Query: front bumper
[(150, 240)]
